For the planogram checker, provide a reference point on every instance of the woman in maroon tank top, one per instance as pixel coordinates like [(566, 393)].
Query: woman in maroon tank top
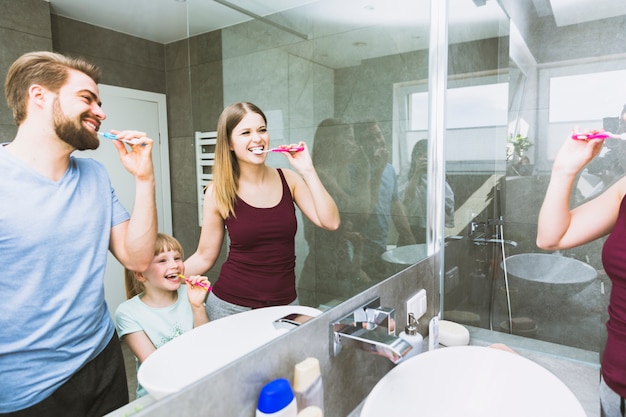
[(560, 227), (255, 204)]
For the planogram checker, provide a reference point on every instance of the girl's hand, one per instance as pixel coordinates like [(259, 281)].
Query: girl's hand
[(197, 293)]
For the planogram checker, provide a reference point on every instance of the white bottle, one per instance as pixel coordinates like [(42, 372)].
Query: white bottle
[(307, 384), (433, 333), (277, 400), (412, 335)]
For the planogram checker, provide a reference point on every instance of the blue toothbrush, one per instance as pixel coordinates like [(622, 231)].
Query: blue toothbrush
[(111, 136)]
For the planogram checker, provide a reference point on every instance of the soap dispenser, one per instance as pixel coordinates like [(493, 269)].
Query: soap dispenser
[(412, 335)]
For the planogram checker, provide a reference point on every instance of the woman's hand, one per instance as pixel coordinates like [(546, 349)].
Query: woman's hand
[(575, 154), (301, 160)]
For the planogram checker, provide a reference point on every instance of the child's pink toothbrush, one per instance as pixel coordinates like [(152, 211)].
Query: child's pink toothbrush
[(597, 134), (197, 284), (111, 136), (260, 151)]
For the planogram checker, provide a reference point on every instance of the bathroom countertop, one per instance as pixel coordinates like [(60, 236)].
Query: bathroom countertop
[(578, 369)]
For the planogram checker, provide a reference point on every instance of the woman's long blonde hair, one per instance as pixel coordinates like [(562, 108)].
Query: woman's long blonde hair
[(163, 243), (226, 168)]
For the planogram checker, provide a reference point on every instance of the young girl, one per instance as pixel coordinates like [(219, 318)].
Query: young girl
[(160, 307), (255, 203)]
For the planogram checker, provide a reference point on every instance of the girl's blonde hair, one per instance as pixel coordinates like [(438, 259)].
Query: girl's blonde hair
[(163, 243), (226, 168)]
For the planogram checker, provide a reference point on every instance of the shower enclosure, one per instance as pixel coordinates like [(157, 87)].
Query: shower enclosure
[(553, 67)]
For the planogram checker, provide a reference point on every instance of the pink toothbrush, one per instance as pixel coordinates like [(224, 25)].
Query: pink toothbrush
[(260, 151), (197, 284), (597, 134)]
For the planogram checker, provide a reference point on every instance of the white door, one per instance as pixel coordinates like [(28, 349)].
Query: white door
[(136, 110)]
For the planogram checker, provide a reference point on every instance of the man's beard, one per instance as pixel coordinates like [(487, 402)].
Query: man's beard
[(76, 135)]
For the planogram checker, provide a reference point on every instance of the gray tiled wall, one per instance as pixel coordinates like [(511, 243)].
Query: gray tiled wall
[(24, 26)]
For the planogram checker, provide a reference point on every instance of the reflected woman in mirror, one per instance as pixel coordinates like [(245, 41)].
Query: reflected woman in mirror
[(560, 227), (385, 205), (255, 204), (413, 190), (332, 269)]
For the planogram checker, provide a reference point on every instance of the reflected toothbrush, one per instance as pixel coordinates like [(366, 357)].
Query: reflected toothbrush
[(111, 136), (597, 134), (260, 151), (197, 284)]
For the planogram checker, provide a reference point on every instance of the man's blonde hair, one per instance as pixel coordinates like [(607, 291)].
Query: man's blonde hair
[(48, 69)]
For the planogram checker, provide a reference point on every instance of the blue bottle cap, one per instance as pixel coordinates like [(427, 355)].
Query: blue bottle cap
[(275, 396)]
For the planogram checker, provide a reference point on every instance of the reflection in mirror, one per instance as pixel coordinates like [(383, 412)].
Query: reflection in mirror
[(559, 72), (331, 73), (477, 128), (607, 114)]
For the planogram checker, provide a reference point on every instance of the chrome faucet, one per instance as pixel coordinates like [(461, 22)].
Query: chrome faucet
[(484, 241), (476, 228), (370, 328), (291, 321), (478, 233)]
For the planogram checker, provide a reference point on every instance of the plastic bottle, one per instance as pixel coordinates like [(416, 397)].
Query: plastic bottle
[(433, 333), (412, 335), (307, 384), (277, 400)]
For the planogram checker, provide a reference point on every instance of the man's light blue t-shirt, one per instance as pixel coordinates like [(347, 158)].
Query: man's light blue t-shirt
[(54, 239)]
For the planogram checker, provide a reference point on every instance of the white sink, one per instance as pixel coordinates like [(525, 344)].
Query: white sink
[(544, 269), (406, 255), (211, 346), (471, 381)]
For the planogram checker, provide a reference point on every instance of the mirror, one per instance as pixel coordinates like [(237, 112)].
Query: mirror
[(337, 75), (593, 83), (341, 65), (559, 71)]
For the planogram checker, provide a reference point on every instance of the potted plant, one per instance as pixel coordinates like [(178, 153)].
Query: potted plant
[(518, 161)]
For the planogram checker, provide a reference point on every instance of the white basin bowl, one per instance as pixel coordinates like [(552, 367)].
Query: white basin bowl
[(551, 270), (406, 255), (197, 353), (471, 381)]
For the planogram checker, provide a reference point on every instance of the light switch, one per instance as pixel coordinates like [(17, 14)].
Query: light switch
[(417, 304)]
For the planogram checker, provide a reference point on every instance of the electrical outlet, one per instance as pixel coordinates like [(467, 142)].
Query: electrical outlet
[(417, 304)]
